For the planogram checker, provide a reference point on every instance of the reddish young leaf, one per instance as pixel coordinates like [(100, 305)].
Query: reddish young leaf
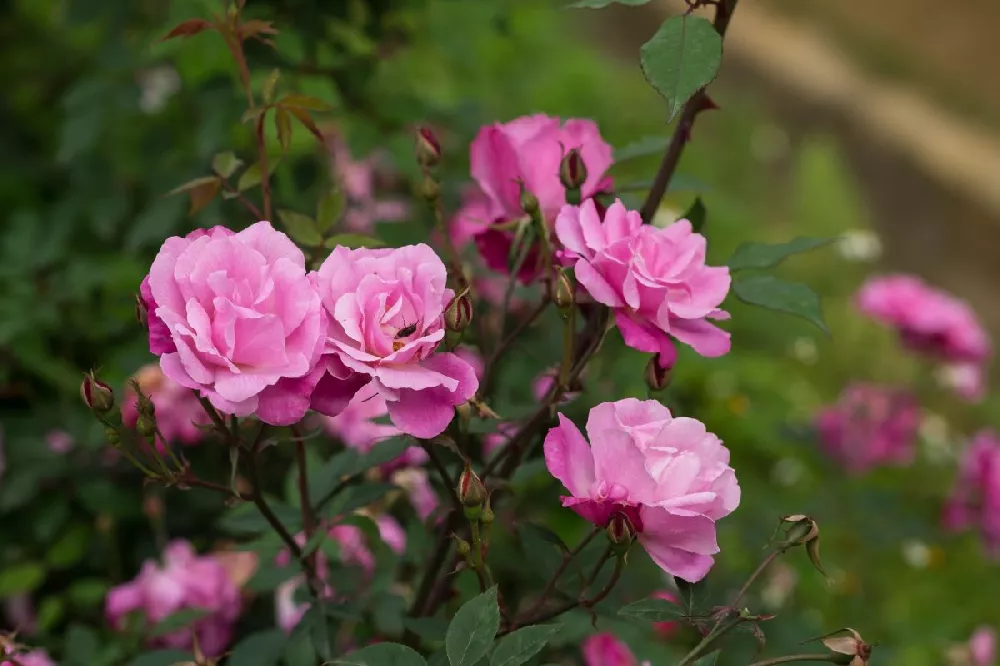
[(303, 117), (188, 28), (304, 102), (202, 195), (256, 27)]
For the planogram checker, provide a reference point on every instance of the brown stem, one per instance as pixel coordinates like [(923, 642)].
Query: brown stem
[(442, 471), (308, 516), (754, 576), (265, 175), (799, 657), (217, 420), (561, 569), (504, 345), (249, 205), (682, 133), (425, 594)]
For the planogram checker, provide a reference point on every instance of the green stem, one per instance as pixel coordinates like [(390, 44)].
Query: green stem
[(561, 569)]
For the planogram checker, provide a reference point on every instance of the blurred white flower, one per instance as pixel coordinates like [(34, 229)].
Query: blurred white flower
[(916, 554), (935, 437), (157, 86), (788, 471), (859, 245), (804, 350), (769, 143)]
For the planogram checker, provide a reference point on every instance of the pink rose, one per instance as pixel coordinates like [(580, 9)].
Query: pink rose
[(30, 658), (417, 486), (869, 426), (245, 327), (527, 150), (59, 442), (983, 647), (655, 279), (606, 649), (932, 322), (668, 477), (178, 412), (975, 499), (385, 322), (185, 580), (392, 533)]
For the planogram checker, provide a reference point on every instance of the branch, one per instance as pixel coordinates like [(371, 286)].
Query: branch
[(504, 345), (682, 133)]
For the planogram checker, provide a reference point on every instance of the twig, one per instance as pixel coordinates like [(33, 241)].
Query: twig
[(502, 347), (249, 205), (308, 516), (561, 569), (682, 133), (449, 484)]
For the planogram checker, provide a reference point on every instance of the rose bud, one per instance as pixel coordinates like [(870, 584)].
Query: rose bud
[(572, 170), (657, 377), (458, 313), (141, 312), (427, 148), (471, 490), (562, 292), (97, 395)]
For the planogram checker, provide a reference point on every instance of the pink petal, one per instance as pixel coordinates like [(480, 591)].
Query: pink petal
[(569, 458), (680, 545)]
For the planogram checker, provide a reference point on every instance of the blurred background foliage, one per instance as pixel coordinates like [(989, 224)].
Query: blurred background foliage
[(99, 121)]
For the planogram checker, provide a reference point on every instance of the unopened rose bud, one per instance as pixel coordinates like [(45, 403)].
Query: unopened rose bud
[(111, 434), (657, 377), (620, 530), (488, 516), (801, 530), (427, 148), (850, 649), (529, 202), (429, 189), (141, 312), (458, 313), (572, 170), (462, 546), (146, 427), (97, 395), (562, 291), (471, 490)]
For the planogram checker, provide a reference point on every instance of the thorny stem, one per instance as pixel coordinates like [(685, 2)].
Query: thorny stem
[(682, 133), (755, 575), (833, 658), (505, 343), (561, 569), (442, 471)]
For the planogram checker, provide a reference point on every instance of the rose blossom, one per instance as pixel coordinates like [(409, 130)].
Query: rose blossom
[(932, 322), (234, 316), (527, 150), (975, 499), (184, 580), (385, 322), (869, 426), (178, 412), (983, 647), (605, 649), (655, 279), (667, 476)]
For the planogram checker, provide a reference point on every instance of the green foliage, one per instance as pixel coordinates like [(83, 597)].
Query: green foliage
[(518, 647), (682, 57), (383, 654), (773, 293), (470, 634)]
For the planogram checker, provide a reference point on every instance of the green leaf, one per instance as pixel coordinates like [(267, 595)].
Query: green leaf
[(708, 660), (87, 592), (682, 57), (300, 651), (245, 519), (267, 90), (430, 629), (251, 177), (226, 164), (792, 298), (382, 654), (352, 241), (696, 215), (302, 228), (329, 209), (471, 632), (520, 646), (298, 101), (50, 612), (20, 578), (644, 147), (356, 497), (653, 610), (162, 658), (70, 548), (545, 534), (264, 648), (283, 127), (178, 620), (599, 4), (385, 451), (334, 471), (761, 255), (82, 644)]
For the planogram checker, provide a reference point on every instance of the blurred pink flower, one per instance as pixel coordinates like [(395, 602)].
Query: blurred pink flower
[(605, 649), (526, 150), (417, 486), (359, 182), (975, 498), (30, 658), (59, 441), (185, 580), (983, 647), (668, 477), (19, 611), (234, 316), (656, 280), (178, 411), (870, 426), (932, 322), (385, 323), (666, 629)]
